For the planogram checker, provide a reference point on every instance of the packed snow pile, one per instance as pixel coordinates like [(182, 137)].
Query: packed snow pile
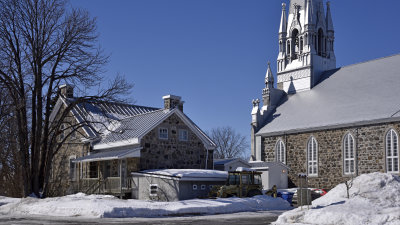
[(374, 199), (108, 206)]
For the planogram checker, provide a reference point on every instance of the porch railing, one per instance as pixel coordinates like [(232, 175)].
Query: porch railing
[(110, 185)]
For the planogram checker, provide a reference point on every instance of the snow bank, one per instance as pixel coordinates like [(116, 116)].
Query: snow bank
[(374, 199), (189, 173), (95, 206)]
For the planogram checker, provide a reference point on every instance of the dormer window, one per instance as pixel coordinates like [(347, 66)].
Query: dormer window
[(163, 133)]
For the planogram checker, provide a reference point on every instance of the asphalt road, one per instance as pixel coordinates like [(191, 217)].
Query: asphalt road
[(263, 217)]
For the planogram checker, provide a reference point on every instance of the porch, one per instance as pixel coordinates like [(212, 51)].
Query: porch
[(105, 172)]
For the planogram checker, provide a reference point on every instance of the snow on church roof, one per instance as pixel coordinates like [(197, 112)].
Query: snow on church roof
[(363, 93)]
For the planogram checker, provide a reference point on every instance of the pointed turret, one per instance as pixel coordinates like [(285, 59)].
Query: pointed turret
[(269, 78), (329, 22), (309, 15), (283, 26)]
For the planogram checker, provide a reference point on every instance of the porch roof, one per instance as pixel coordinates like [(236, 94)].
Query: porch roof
[(110, 155)]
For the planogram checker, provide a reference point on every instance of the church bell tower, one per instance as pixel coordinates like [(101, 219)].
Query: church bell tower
[(306, 45)]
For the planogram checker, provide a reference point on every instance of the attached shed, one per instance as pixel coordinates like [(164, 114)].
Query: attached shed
[(273, 173), (230, 164), (175, 184)]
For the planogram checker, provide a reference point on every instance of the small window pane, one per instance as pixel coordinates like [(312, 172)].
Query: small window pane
[(183, 135), (163, 133)]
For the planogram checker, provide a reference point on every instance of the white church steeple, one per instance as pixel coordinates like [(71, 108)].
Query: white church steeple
[(306, 46)]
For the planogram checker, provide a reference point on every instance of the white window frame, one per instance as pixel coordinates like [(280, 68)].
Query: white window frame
[(280, 151), (203, 187), (392, 151), (72, 169), (194, 186), (161, 135), (312, 157), (183, 135), (151, 188), (349, 154)]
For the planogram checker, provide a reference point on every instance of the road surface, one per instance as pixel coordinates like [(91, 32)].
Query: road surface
[(263, 217)]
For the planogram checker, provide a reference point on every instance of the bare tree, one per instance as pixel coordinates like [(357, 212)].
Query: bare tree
[(349, 185), (230, 144), (42, 45), (10, 174)]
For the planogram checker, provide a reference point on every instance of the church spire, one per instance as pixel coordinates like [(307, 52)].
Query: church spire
[(283, 26), (309, 15), (269, 78), (329, 22)]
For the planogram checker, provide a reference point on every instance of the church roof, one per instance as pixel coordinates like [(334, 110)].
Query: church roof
[(358, 94)]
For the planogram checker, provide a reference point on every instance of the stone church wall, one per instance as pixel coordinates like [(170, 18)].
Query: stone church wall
[(370, 152), (173, 153)]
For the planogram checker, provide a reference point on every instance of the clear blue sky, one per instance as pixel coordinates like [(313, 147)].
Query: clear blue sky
[(214, 53)]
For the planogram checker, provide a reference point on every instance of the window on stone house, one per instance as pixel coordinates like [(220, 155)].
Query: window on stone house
[(392, 152), (349, 155), (312, 157), (280, 152), (72, 168), (62, 132), (183, 135), (163, 133)]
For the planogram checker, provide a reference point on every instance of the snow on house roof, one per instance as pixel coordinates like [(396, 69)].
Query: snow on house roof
[(104, 117), (262, 164), (132, 129), (190, 174), (228, 161), (358, 94)]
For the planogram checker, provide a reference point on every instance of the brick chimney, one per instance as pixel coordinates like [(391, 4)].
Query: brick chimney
[(172, 101), (66, 90)]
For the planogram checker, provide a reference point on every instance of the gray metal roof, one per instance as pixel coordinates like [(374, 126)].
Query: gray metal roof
[(101, 114), (133, 128), (110, 155), (363, 93)]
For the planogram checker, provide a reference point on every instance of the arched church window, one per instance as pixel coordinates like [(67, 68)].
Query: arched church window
[(349, 154), (295, 43), (306, 40), (280, 47), (280, 152), (392, 152), (312, 157), (301, 45), (315, 42), (320, 41), (288, 47)]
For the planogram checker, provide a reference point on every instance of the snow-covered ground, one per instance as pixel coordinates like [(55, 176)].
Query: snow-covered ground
[(96, 206), (374, 199)]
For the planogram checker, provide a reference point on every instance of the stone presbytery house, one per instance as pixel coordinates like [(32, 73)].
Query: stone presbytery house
[(114, 140), (329, 123)]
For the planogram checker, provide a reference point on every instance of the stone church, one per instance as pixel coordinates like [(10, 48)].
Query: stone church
[(329, 123)]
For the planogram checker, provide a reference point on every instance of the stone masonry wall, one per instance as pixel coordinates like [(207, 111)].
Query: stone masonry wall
[(173, 153), (370, 152)]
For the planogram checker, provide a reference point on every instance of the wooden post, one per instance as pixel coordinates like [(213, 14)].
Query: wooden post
[(120, 177)]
